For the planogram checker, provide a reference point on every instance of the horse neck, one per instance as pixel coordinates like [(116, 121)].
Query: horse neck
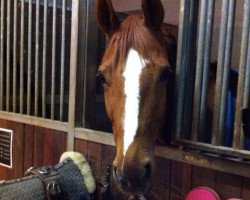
[(170, 34)]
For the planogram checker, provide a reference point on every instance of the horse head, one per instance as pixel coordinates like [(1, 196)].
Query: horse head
[(134, 72)]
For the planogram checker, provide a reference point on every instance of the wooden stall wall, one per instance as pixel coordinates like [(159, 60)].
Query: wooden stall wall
[(32, 146), (172, 180), (36, 146)]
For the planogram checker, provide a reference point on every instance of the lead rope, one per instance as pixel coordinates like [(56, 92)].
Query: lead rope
[(104, 186)]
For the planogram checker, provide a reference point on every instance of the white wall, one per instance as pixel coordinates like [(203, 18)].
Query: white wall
[(172, 17), (171, 8)]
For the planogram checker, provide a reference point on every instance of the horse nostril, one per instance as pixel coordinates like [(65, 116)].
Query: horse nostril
[(147, 174)]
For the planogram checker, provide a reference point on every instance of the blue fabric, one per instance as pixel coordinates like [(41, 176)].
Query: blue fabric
[(231, 102)]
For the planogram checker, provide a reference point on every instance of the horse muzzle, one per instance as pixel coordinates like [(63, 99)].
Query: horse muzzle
[(134, 179)]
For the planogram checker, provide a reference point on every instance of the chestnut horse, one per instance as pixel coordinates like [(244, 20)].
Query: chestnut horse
[(134, 72)]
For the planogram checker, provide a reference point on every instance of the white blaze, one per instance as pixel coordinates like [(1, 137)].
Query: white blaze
[(131, 74)]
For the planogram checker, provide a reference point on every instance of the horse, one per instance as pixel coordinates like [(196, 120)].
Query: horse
[(135, 71)]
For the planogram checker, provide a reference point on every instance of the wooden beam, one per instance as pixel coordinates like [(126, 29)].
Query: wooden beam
[(35, 121), (174, 153), (94, 136), (73, 72)]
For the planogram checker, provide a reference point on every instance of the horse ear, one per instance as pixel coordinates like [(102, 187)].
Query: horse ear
[(153, 13), (106, 17)]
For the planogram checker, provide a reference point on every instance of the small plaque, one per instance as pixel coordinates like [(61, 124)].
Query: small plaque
[(198, 160), (6, 137)]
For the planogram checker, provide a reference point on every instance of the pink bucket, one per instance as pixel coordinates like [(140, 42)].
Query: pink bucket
[(202, 193)]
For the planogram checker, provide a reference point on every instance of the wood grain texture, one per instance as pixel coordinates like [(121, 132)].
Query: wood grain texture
[(228, 185), (4, 172), (28, 147), (181, 180), (60, 145), (176, 181), (161, 180), (108, 155), (38, 146), (203, 177), (49, 147), (81, 146), (95, 161), (245, 184), (18, 143), (186, 179)]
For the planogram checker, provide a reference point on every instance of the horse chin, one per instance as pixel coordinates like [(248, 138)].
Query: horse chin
[(135, 190)]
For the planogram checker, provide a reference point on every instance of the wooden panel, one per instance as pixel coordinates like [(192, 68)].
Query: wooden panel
[(95, 158), (32, 146), (228, 185), (176, 181), (108, 155), (4, 172), (38, 146), (81, 146), (161, 180), (186, 185), (28, 147), (172, 181), (60, 145), (95, 161), (18, 141), (49, 148), (181, 177), (203, 177), (245, 193)]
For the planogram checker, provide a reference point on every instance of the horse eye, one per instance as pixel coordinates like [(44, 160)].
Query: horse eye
[(101, 77), (164, 74)]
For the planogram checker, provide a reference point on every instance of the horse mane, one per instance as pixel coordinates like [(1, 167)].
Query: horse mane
[(133, 33), (170, 33)]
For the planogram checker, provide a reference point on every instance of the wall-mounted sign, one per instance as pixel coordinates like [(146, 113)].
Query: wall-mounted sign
[(6, 137)]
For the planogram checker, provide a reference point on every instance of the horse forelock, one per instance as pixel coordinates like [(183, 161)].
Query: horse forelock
[(133, 34)]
